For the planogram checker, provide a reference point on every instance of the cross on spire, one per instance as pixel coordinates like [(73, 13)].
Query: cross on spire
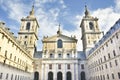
[(59, 31), (86, 11)]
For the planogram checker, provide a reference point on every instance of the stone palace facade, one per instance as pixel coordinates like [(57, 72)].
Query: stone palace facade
[(59, 58)]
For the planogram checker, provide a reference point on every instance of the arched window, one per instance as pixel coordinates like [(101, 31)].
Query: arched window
[(68, 76), (28, 26), (59, 43), (50, 76), (83, 75), (36, 76), (59, 76), (91, 26), (51, 55)]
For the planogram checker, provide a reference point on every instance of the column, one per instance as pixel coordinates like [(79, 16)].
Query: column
[(55, 72), (76, 65), (43, 72), (64, 72)]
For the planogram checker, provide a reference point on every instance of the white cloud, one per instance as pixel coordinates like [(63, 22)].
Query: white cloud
[(107, 18), (49, 20)]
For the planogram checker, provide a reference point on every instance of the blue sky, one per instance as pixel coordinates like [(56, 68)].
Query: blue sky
[(68, 13)]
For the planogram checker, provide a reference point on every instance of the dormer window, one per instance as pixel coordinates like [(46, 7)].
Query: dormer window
[(59, 43), (91, 26), (28, 26)]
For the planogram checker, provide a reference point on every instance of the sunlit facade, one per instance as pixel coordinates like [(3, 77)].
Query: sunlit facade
[(59, 58)]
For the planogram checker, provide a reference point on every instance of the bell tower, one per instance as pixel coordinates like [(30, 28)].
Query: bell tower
[(90, 31), (28, 32)]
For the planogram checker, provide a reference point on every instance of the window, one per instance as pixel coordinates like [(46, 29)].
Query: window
[(68, 66), (113, 76), (114, 53), (91, 26), (50, 66), (15, 58), (106, 66), (107, 76), (60, 55), (11, 56), (59, 43), (108, 55), (117, 36), (82, 66), (25, 36), (25, 43), (6, 76), (68, 55), (110, 64), (106, 45), (1, 74), (59, 66), (111, 40), (51, 55), (12, 77), (28, 26), (119, 75), (0, 49), (5, 54), (104, 58), (116, 63)]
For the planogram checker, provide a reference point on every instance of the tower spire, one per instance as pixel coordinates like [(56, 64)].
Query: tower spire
[(86, 11), (32, 11), (59, 31)]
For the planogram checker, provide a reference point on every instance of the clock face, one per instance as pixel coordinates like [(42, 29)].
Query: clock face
[(91, 25)]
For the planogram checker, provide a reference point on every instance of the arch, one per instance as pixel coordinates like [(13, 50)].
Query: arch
[(83, 75), (36, 75), (28, 26), (59, 76), (59, 43), (50, 76), (68, 76), (91, 26)]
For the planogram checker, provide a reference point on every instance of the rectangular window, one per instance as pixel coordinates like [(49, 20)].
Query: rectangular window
[(110, 64), (111, 40), (109, 56), (119, 75), (60, 55), (82, 66), (106, 66), (106, 45), (113, 76), (114, 53), (68, 66), (1, 74), (12, 77), (0, 49), (50, 66), (59, 66), (6, 76), (107, 76), (117, 36), (116, 63), (104, 58)]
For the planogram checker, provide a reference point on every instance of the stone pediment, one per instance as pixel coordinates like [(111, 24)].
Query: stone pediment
[(59, 36)]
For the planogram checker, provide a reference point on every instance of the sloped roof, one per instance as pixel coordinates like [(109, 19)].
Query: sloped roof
[(59, 36)]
